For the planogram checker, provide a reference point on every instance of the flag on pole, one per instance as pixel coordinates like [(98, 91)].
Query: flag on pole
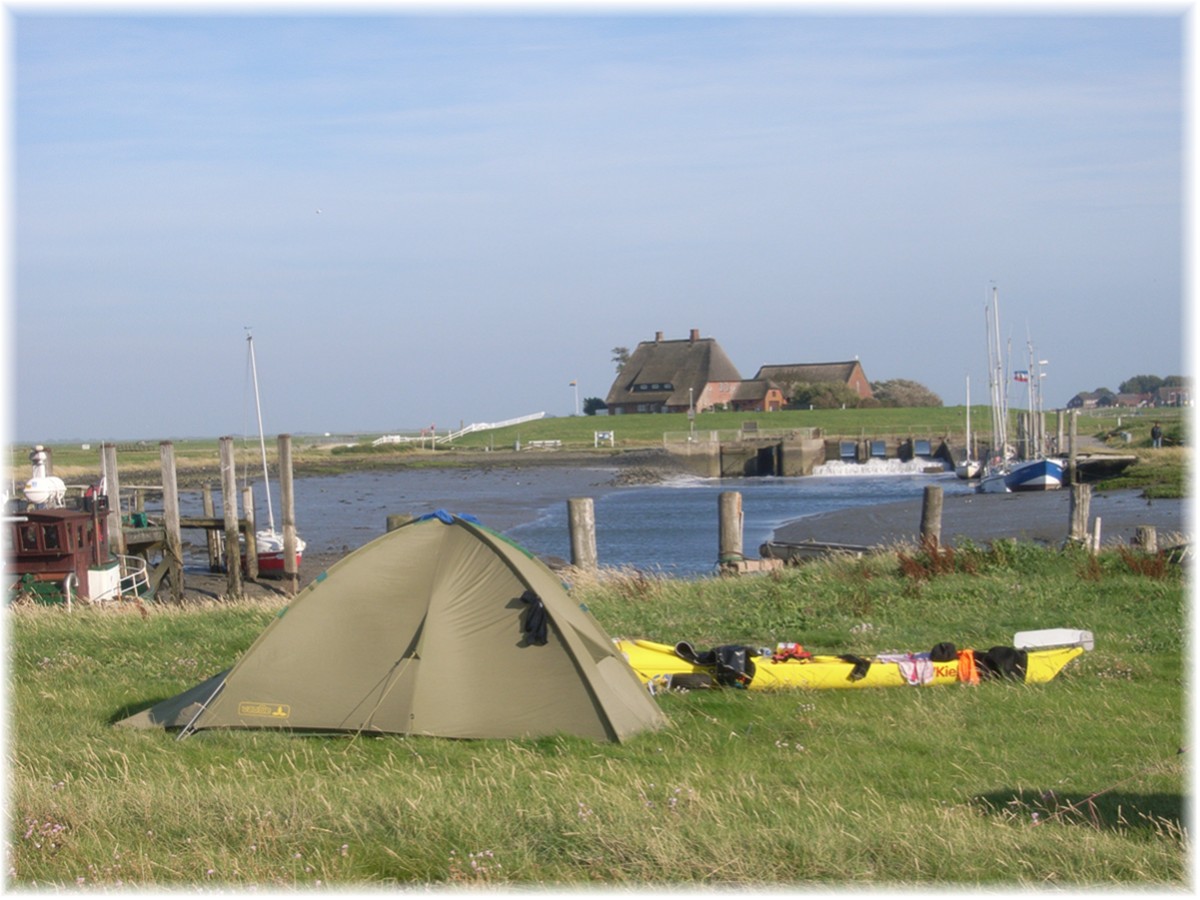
[(1021, 375)]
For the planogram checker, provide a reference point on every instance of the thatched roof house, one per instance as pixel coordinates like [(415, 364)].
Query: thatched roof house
[(673, 376), (848, 373)]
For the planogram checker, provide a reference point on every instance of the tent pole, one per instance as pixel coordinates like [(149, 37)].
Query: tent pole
[(187, 729)]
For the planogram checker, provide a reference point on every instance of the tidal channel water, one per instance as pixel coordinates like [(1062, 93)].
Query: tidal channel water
[(671, 527)]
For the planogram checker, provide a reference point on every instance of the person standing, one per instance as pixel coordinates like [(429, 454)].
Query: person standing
[(1156, 435)]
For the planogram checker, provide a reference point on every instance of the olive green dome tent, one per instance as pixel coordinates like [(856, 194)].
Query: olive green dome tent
[(440, 627)]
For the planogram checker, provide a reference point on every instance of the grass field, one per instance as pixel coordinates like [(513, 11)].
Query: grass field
[(1079, 783)]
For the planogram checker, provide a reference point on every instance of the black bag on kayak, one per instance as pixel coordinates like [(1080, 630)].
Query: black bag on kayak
[(1002, 662), (731, 662), (943, 652)]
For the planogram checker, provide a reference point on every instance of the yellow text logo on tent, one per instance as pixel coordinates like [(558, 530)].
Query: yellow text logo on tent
[(267, 710)]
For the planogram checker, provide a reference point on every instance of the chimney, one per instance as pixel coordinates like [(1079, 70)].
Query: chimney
[(695, 336), (658, 337)]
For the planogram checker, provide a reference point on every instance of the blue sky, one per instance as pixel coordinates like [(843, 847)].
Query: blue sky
[(446, 219)]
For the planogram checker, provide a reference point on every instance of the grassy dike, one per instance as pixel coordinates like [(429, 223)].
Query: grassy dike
[(1076, 783), (1161, 472)]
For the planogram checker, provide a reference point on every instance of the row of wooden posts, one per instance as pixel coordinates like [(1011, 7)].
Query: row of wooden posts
[(1080, 532), (581, 521), (228, 526)]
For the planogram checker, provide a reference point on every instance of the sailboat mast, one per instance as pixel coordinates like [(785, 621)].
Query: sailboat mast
[(969, 454), (999, 393), (262, 441)]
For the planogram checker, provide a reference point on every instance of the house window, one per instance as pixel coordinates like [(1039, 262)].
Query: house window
[(50, 536)]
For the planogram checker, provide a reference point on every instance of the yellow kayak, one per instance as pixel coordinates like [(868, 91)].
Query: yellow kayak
[(666, 665)]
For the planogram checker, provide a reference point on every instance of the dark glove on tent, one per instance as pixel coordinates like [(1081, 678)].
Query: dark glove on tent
[(536, 620)]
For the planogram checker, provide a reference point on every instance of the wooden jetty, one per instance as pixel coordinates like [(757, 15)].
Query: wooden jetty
[(229, 538)]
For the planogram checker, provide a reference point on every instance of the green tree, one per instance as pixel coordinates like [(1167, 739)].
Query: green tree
[(620, 356), (901, 392), (822, 395), (1140, 384), (592, 405)]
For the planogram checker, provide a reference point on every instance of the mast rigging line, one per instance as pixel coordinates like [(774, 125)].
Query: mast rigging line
[(252, 374)]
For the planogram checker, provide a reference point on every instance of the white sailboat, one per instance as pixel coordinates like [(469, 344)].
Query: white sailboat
[(1002, 473), (992, 480), (268, 541), (968, 467)]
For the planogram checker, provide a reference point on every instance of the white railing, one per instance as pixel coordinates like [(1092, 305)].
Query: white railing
[(135, 576), (453, 435), (488, 426)]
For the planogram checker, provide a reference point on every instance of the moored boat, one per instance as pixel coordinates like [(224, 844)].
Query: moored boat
[(271, 558), (268, 542), (58, 550), (1004, 473), (1043, 474), (968, 467)]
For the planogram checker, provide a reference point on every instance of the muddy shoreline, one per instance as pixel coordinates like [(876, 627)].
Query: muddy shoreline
[(1039, 517), (638, 466)]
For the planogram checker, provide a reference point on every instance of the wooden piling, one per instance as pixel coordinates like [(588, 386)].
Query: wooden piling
[(729, 551), (581, 519), (233, 559), (287, 501), (931, 516), (1081, 499), (112, 489), (211, 536), (248, 529), (1072, 440), (173, 546), (1146, 537)]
